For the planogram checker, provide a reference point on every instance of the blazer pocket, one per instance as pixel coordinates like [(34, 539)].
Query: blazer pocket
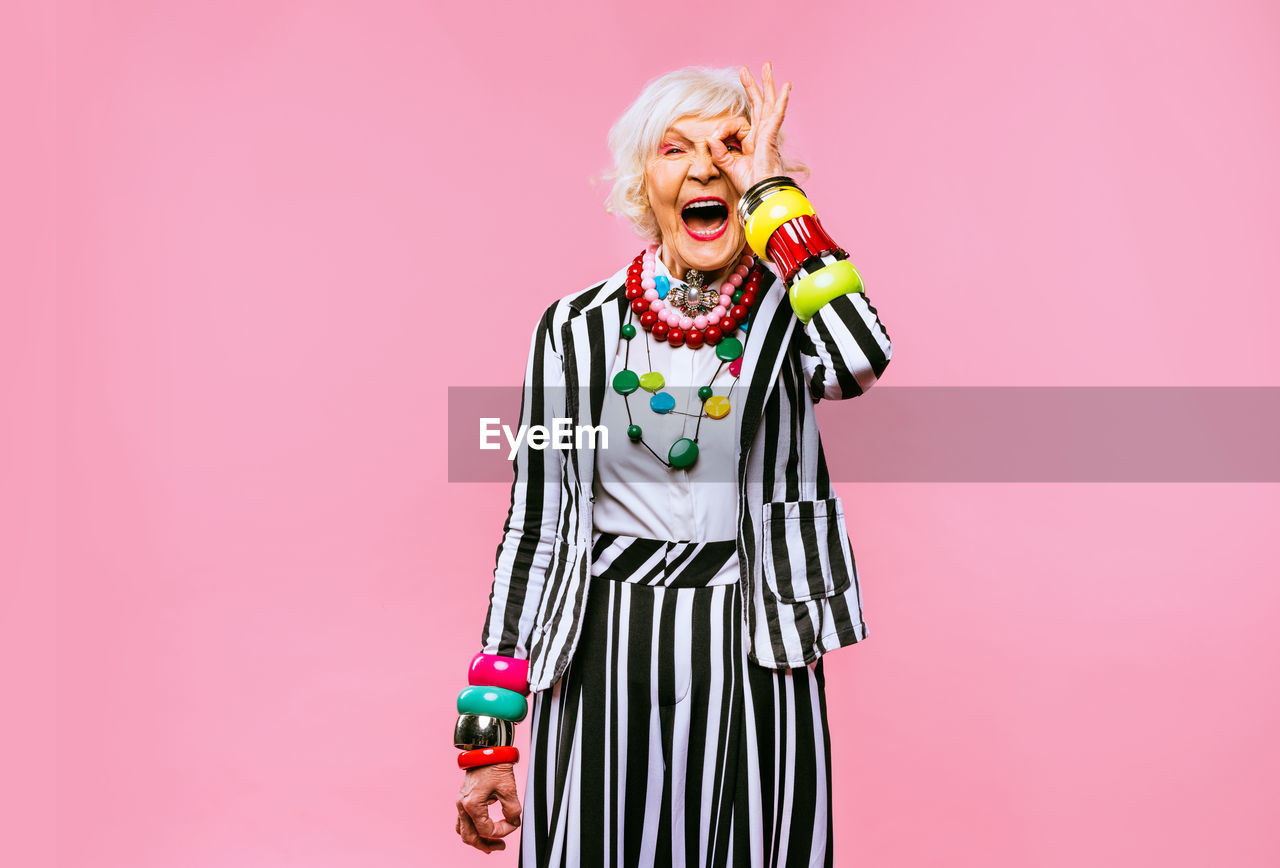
[(564, 559), (806, 553)]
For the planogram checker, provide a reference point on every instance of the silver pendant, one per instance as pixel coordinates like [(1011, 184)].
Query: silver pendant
[(693, 299)]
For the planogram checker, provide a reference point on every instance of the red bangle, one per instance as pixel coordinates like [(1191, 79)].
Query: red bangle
[(795, 241), (487, 756)]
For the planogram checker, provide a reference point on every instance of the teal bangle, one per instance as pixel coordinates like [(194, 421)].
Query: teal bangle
[(493, 702)]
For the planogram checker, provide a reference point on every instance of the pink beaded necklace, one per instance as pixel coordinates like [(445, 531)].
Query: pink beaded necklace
[(691, 314)]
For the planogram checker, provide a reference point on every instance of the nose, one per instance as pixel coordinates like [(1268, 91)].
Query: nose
[(702, 167)]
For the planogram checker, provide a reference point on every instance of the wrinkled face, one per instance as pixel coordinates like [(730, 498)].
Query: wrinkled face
[(695, 201)]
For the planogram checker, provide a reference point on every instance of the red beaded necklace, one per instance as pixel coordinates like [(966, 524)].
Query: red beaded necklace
[(691, 314)]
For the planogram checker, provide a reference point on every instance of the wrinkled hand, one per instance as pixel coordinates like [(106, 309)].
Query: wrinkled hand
[(482, 787), (758, 157)]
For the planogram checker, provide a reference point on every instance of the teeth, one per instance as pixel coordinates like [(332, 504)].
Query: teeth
[(705, 203)]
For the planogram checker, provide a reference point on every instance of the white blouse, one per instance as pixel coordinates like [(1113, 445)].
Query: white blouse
[(635, 494)]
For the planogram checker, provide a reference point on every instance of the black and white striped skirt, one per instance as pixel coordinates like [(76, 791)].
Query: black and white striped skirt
[(663, 744)]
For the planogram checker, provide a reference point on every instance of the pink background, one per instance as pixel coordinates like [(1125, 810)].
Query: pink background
[(230, 445)]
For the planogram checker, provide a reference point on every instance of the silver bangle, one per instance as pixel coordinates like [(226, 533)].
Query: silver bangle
[(474, 731), (754, 195)]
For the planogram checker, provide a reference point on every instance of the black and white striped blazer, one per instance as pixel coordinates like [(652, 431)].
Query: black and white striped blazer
[(796, 560)]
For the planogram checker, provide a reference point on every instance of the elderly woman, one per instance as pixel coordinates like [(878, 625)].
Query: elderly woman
[(665, 587)]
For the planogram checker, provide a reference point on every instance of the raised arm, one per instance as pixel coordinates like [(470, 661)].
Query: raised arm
[(843, 345), (524, 553)]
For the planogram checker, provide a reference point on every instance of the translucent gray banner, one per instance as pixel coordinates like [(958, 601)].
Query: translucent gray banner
[(962, 434)]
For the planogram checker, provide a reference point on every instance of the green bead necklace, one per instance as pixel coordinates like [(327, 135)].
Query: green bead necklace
[(683, 453)]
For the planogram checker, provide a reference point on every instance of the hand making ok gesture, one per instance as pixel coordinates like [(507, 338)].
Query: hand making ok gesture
[(759, 156)]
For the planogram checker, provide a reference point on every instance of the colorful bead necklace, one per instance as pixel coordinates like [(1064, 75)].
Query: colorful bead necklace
[(690, 314), (690, 319)]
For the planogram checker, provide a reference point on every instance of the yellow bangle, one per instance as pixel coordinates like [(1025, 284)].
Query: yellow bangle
[(782, 206)]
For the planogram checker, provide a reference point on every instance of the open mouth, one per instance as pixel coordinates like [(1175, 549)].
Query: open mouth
[(705, 218)]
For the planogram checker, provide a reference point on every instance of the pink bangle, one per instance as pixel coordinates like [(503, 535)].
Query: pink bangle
[(494, 670), (487, 756)]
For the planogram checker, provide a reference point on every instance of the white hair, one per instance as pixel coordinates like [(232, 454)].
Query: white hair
[(696, 91)]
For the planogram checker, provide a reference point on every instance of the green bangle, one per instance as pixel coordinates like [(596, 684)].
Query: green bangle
[(493, 702), (811, 292)]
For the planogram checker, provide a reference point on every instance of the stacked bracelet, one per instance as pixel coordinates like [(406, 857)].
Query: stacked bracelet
[(489, 708), (469, 759), (781, 227), (494, 670), (474, 731)]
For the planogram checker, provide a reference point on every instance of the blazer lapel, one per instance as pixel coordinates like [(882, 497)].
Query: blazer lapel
[(590, 338), (769, 337)]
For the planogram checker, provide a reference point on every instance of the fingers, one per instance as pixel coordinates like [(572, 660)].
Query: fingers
[(484, 824), (510, 808), (753, 92), (506, 794), (776, 111), (716, 146), (732, 163), (767, 108), (780, 108), (738, 128), (470, 835)]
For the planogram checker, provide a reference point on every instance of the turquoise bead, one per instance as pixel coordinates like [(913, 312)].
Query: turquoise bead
[(626, 381), (682, 455), (704, 393), (728, 349), (662, 284), (493, 702), (662, 402), (628, 331)]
